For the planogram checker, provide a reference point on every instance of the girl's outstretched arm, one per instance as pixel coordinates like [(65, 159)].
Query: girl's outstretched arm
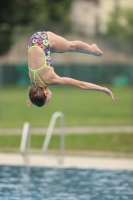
[(83, 85), (59, 44)]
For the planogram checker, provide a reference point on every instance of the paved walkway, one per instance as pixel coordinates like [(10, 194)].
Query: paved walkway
[(69, 161), (77, 129)]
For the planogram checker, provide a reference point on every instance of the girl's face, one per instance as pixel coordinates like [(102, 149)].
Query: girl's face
[(48, 94)]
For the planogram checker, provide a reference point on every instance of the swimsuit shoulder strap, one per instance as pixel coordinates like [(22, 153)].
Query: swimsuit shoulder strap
[(34, 76)]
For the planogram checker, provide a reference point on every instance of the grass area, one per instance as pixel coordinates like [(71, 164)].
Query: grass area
[(81, 108), (111, 142)]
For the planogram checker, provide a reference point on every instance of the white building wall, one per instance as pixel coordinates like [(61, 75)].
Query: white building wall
[(84, 15)]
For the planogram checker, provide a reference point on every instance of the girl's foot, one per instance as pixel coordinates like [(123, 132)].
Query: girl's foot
[(96, 51)]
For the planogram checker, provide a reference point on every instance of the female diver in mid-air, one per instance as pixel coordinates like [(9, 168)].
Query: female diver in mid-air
[(41, 68)]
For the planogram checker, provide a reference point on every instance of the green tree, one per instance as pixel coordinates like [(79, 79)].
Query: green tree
[(120, 25), (15, 13), (12, 13)]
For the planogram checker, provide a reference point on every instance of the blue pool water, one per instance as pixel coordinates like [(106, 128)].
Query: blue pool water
[(65, 184)]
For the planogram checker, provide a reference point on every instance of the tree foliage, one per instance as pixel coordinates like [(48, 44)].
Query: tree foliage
[(120, 25), (15, 13)]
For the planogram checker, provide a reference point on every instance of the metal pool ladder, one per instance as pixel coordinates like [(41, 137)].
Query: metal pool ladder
[(49, 134), (25, 140)]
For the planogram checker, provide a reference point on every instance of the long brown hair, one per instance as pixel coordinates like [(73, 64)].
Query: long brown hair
[(37, 96)]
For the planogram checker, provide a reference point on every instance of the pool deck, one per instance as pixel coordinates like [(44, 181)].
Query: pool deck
[(75, 129), (69, 161)]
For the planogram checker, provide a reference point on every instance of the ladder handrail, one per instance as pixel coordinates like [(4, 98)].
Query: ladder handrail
[(25, 138), (25, 146), (50, 131)]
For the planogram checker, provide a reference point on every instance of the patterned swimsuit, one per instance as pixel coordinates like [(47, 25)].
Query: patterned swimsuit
[(40, 40)]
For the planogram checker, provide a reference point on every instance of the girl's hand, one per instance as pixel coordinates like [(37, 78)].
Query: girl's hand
[(108, 92), (29, 103)]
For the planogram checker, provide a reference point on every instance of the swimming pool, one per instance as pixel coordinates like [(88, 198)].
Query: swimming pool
[(47, 183)]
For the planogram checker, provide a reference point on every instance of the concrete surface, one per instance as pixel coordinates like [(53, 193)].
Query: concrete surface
[(77, 129), (69, 161)]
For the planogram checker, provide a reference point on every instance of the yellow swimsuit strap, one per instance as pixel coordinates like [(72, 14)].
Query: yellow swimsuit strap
[(35, 70)]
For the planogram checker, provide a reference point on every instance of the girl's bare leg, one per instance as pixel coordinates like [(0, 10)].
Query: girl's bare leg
[(59, 44)]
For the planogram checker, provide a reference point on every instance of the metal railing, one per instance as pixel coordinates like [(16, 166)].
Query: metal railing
[(49, 134), (25, 143), (25, 140)]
